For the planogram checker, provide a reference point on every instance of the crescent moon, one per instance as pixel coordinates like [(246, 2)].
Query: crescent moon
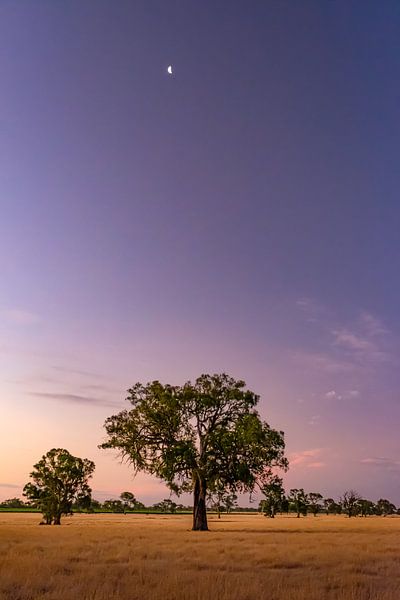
[(169, 69)]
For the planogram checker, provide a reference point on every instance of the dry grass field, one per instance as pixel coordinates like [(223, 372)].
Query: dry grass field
[(244, 557)]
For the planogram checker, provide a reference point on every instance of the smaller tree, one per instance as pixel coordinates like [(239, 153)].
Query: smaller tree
[(349, 502), (128, 500), (166, 506), (82, 503), (298, 498), (13, 503), (366, 507), (59, 480), (315, 502), (221, 499), (274, 495), (332, 507), (95, 506), (385, 507), (112, 505)]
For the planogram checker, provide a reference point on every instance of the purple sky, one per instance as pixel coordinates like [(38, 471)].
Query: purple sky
[(241, 215)]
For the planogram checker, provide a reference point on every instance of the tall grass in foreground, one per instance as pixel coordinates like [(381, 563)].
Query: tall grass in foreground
[(243, 557)]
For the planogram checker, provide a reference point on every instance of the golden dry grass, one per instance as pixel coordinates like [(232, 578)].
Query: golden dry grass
[(244, 557)]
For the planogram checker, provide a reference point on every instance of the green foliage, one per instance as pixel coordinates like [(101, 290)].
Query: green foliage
[(221, 499), (59, 481), (116, 506), (196, 437), (274, 495), (365, 508), (298, 498), (350, 502), (314, 500), (385, 507), (128, 499), (166, 506), (332, 507), (13, 503)]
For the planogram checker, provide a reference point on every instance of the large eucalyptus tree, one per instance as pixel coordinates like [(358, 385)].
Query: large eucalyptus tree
[(196, 437)]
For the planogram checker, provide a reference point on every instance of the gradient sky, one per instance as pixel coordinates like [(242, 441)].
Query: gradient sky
[(242, 215)]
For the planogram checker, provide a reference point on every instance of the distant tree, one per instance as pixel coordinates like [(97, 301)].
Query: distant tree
[(59, 480), (274, 495), (113, 505), (13, 503), (166, 506), (298, 498), (314, 501), (95, 506), (331, 507), (128, 500), (349, 502), (365, 507), (194, 435), (285, 505), (221, 499), (82, 503), (385, 507)]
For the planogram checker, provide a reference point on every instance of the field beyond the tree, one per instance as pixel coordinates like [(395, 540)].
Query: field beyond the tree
[(243, 557)]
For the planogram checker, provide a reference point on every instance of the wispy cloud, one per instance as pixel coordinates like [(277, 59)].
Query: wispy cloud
[(306, 458), (81, 372), (381, 462), (102, 388), (13, 486), (322, 362), (311, 308), (372, 324), (19, 316), (314, 420), (346, 395), (361, 348), (352, 341), (365, 341), (74, 399)]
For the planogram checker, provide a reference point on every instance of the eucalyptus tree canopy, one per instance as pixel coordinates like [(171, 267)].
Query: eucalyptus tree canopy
[(349, 502), (59, 480), (197, 437), (298, 498), (385, 507), (315, 500), (274, 494)]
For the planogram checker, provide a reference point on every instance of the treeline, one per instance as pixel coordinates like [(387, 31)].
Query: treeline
[(128, 503), (124, 504), (275, 501), (297, 501)]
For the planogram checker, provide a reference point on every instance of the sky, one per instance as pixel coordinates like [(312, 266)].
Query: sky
[(241, 215)]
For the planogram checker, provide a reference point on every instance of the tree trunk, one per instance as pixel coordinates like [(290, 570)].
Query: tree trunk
[(57, 520), (199, 505)]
